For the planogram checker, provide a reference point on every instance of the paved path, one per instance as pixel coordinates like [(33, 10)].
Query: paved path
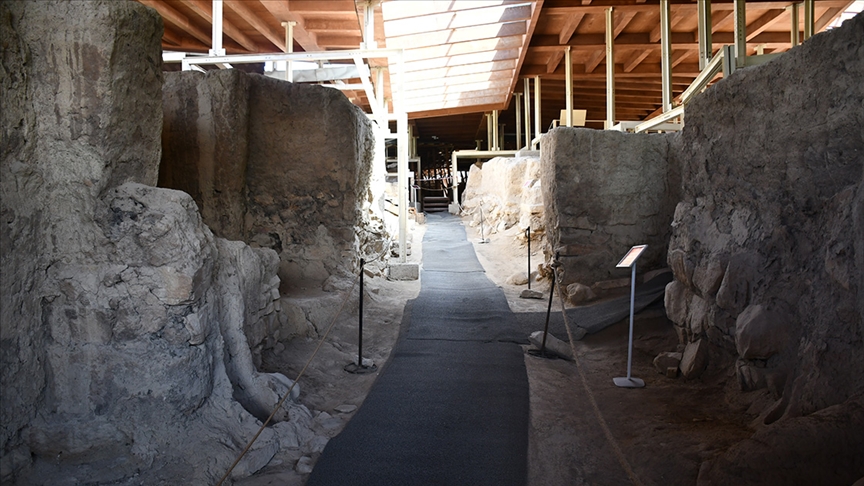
[(451, 405)]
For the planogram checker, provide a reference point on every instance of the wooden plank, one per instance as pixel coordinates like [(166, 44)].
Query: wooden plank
[(570, 27), (205, 10), (636, 60), (762, 24), (242, 9), (554, 61), (279, 9), (168, 13)]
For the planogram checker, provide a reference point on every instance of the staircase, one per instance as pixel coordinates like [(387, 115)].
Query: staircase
[(436, 204)]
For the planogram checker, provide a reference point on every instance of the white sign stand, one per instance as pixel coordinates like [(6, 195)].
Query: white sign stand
[(629, 260)]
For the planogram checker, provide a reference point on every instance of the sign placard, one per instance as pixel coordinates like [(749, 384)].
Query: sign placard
[(631, 256)]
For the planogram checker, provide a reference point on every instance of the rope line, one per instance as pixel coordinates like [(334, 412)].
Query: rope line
[(308, 362), (609, 437)]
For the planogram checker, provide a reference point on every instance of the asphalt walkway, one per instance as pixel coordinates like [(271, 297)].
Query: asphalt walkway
[(451, 405)]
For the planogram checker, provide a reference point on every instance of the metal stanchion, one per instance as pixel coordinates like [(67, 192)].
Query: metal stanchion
[(629, 260), (359, 367), (483, 238), (528, 235), (542, 351)]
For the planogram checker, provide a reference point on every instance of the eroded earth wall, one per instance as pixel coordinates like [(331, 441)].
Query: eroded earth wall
[(767, 252), (605, 191), (122, 350), (279, 165), (505, 192)]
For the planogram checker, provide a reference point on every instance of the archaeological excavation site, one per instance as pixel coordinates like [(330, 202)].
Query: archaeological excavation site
[(381, 242)]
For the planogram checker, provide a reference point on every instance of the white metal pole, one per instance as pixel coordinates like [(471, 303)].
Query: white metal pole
[(568, 75), (518, 102), (527, 87), (705, 51), (610, 67), (537, 128), (402, 160), (217, 49), (289, 48), (793, 17), (665, 55), (495, 129), (455, 171), (740, 13)]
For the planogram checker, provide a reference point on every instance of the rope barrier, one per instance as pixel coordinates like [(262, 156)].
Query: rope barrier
[(302, 371), (609, 437)]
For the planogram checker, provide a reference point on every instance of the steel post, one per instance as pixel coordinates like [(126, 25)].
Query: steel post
[(666, 55), (610, 67)]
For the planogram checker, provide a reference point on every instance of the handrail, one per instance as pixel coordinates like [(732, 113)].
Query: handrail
[(657, 120), (703, 78)]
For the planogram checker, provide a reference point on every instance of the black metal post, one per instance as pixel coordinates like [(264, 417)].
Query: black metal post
[(360, 323), (358, 368), (528, 235)]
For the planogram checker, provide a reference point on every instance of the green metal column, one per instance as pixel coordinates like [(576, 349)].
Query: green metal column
[(808, 19)]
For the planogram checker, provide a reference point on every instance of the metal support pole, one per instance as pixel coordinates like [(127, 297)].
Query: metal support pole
[(489, 142), (809, 19), (740, 13), (495, 129), (793, 28), (217, 49), (629, 381), (666, 55), (542, 351), (568, 87), (369, 26), (289, 47), (518, 102), (527, 87), (537, 126), (360, 368), (528, 236), (455, 168), (402, 159), (704, 12), (610, 67), (360, 319)]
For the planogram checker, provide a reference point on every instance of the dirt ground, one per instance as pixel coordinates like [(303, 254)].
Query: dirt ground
[(583, 429)]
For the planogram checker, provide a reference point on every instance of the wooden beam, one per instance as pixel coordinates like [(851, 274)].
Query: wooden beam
[(279, 9), (720, 18), (570, 27), (826, 18), (676, 17), (168, 13), (636, 60), (678, 56), (554, 61), (763, 23), (204, 8), (242, 9), (594, 60), (536, 7), (623, 19)]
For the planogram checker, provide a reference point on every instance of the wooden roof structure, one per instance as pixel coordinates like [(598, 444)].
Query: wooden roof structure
[(465, 58)]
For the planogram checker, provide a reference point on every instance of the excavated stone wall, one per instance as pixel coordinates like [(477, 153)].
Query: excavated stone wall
[(507, 191), (768, 254), (279, 165), (123, 356), (605, 191)]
